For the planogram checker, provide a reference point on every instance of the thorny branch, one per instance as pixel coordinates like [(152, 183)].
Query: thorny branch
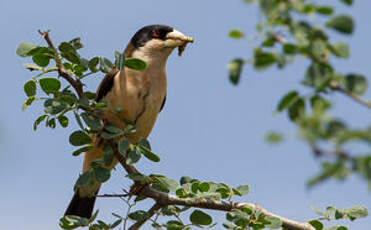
[(161, 198)]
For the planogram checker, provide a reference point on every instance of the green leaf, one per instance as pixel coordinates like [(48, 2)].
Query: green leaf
[(235, 69), (39, 120), (195, 187), (326, 10), (356, 83), (168, 183), (297, 110), (143, 142), (340, 49), (347, 2), (82, 150), (319, 49), (41, 60), (135, 63), (356, 212), (204, 187), (79, 138), (289, 48), (115, 224), (269, 42), (139, 215), (242, 190), (66, 47), (316, 224), (263, 59), (149, 154), (101, 174), (30, 88), (54, 106), (63, 120), (94, 123), (273, 137), (133, 156), (341, 23), (28, 102), (93, 64), (71, 56), (108, 155), (236, 34), (137, 177), (32, 67), (72, 222), (185, 179), (120, 60), (50, 85), (274, 222), (287, 100), (198, 217), (105, 65), (76, 43), (51, 123), (123, 145), (25, 47), (78, 120), (318, 75)]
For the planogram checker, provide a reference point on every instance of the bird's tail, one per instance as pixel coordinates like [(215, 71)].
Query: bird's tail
[(81, 206)]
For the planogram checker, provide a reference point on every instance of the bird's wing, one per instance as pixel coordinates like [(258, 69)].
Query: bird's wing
[(106, 85)]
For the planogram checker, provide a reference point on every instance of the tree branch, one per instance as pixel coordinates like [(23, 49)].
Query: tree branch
[(151, 212), (163, 199), (76, 83), (336, 87)]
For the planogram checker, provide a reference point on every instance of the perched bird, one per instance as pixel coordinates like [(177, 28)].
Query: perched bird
[(140, 94)]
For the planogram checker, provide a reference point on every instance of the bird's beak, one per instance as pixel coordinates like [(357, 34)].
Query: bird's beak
[(177, 39)]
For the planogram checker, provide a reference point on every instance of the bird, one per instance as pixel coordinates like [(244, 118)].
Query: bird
[(141, 95)]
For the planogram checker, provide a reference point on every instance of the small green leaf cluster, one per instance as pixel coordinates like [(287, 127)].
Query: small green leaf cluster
[(193, 188), (333, 213), (246, 218), (289, 32), (73, 222)]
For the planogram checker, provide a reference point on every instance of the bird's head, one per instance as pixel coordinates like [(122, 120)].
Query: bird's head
[(156, 41)]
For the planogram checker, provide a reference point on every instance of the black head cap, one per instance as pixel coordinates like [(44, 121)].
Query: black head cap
[(150, 32)]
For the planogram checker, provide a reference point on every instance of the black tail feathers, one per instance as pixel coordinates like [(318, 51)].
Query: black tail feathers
[(81, 206)]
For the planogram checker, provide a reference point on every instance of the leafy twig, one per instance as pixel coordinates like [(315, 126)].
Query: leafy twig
[(336, 87), (152, 211), (61, 70)]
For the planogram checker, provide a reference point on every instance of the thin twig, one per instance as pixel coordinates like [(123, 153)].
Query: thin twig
[(61, 70), (337, 87), (152, 211), (114, 195)]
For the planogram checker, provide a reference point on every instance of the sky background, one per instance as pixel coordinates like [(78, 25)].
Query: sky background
[(208, 129)]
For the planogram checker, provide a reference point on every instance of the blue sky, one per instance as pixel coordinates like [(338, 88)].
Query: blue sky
[(208, 129)]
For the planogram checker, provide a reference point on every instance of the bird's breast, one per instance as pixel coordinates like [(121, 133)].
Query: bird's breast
[(140, 100)]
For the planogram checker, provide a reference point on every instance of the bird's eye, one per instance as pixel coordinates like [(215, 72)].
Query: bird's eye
[(156, 33)]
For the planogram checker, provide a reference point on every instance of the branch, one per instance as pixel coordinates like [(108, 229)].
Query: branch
[(163, 199), (151, 212), (337, 153), (61, 70), (336, 87)]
